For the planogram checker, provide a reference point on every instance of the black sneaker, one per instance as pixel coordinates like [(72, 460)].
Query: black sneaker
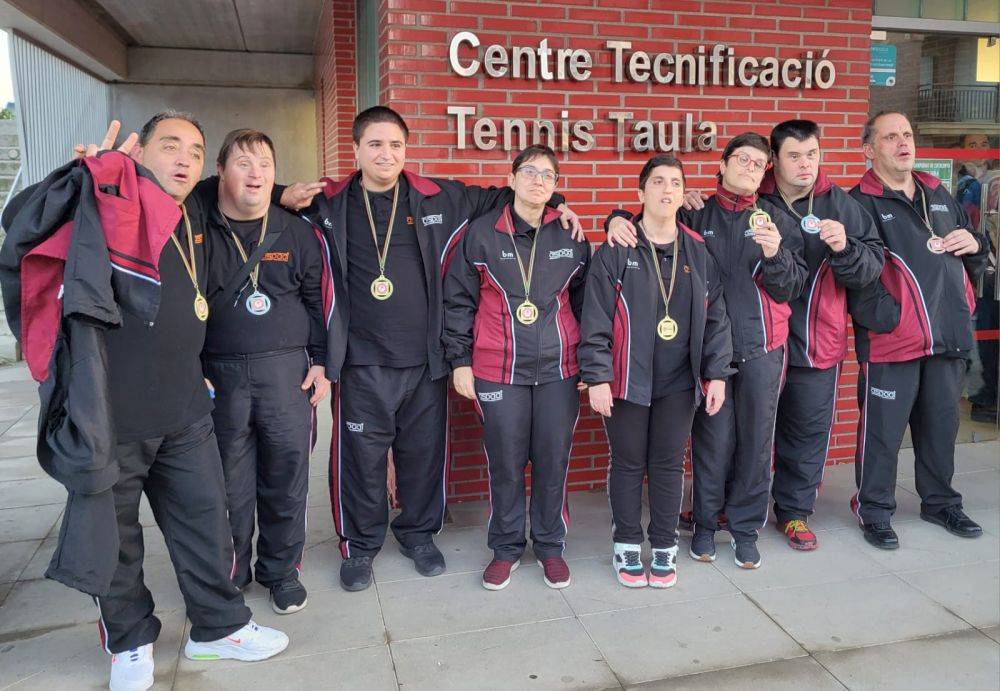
[(288, 596), (702, 544), (746, 554), (954, 520), (880, 535), (427, 559), (356, 573)]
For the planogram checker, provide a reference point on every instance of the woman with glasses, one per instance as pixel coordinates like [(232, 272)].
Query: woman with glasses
[(655, 343), (512, 299)]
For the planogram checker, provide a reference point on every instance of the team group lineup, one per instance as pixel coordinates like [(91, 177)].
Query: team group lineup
[(184, 331)]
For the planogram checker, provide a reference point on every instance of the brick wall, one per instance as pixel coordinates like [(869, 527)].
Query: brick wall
[(417, 81), (336, 88)]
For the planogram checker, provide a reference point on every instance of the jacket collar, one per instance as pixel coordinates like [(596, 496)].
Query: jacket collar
[(424, 186), (822, 185), (733, 202), (506, 219), (872, 184)]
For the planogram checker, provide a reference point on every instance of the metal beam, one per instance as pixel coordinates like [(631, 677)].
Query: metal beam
[(916, 25), (219, 68), (66, 28)]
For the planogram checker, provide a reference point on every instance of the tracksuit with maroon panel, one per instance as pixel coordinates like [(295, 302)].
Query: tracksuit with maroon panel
[(387, 357), (817, 342), (732, 450), (525, 374), (656, 384), (913, 336), (256, 362)]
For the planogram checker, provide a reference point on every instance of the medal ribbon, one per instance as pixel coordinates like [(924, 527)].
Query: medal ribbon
[(383, 253), (659, 275), (525, 277), (189, 265), (789, 203), (255, 272)]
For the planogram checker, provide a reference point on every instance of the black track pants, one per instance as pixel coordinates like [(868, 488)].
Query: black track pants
[(802, 439), (376, 408), (923, 394), (264, 424), (522, 423), (648, 440), (181, 475), (731, 451)]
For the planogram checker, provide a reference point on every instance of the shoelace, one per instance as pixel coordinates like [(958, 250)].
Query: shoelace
[(663, 558), (632, 559), (358, 561), (797, 525), (882, 526), (288, 585)]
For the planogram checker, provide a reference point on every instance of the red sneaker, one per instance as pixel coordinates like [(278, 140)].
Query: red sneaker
[(799, 535), (556, 572), (497, 574)]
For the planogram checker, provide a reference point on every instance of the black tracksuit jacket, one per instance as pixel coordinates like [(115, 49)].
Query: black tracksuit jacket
[(619, 319), (923, 303)]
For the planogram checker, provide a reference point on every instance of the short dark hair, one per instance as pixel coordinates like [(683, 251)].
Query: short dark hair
[(657, 161), (751, 139), (799, 130), (376, 114), (869, 131), (246, 139), (146, 133), (532, 152)]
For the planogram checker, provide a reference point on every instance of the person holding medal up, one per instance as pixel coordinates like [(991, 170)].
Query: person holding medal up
[(913, 331), (757, 247), (655, 344), (843, 252), (513, 297), (270, 296)]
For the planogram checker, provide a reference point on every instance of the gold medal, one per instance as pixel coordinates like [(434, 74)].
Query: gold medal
[(666, 329), (935, 245), (527, 313), (759, 219), (201, 307), (381, 288)]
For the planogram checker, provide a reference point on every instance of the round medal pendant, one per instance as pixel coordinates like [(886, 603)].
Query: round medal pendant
[(666, 329), (527, 313), (381, 288), (935, 245), (201, 307), (258, 304), (810, 224), (759, 219)]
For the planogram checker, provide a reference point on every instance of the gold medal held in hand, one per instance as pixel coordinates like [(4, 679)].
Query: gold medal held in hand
[(527, 313), (381, 288), (759, 219)]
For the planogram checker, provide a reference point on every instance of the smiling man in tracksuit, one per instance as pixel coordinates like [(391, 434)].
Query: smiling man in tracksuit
[(843, 251), (384, 346), (914, 334), (762, 271)]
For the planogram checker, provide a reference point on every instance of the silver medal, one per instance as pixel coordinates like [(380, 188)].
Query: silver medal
[(258, 304), (810, 224)]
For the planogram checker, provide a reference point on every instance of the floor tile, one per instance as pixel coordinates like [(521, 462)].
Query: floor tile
[(957, 662), (43, 604), (14, 556), (456, 603), (29, 523), (963, 590), (22, 493), (546, 655), (849, 614), (784, 675), (924, 545), (687, 637)]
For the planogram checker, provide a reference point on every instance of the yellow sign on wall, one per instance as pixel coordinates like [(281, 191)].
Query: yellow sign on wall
[(988, 61)]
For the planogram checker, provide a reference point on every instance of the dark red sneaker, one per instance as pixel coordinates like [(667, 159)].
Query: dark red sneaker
[(556, 572), (799, 535), (497, 574)]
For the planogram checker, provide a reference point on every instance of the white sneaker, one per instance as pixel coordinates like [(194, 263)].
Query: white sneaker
[(249, 644), (627, 563), (132, 670)]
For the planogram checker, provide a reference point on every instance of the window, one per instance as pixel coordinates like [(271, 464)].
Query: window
[(366, 42)]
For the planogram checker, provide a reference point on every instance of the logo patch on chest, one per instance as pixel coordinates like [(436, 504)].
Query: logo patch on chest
[(708, 234), (566, 253), (631, 264), (355, 426), (276, 257), (504, 254), (941, 208), (432, 220), (886, 217)]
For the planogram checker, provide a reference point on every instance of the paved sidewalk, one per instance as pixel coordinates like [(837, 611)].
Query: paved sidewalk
[(845, 616)]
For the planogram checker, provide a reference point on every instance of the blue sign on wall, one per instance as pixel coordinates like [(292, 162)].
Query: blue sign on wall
[(883, 65)]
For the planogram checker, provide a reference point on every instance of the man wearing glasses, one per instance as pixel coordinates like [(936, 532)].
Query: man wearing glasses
[(758, 248)]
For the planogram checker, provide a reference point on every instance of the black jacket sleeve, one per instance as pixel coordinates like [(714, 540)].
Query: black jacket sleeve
[(873, 308), (577, 287), (717, 347), (461, 301), (311, 291), (860, 262), (597, 320), (784, 275)]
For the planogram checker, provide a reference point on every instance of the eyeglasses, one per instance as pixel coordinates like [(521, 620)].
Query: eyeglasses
[(750, 164), (531, 174)]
